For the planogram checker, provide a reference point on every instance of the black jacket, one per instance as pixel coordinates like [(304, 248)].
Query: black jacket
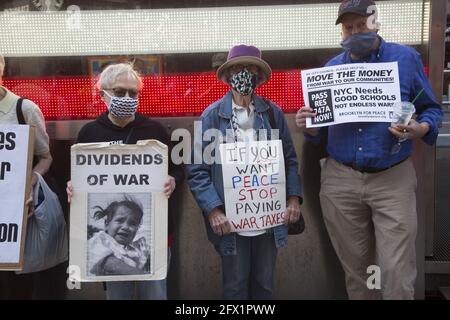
[(142, 128)]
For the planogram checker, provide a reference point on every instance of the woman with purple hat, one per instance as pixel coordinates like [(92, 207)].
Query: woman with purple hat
[(248, 258)]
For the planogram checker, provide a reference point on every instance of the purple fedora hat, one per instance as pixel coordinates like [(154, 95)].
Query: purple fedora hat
[(242, 54)]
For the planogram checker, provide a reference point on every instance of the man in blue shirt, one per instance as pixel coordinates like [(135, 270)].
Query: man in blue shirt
[(368, 184)]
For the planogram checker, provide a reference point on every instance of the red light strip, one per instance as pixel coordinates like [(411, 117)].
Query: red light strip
[(74, 98)]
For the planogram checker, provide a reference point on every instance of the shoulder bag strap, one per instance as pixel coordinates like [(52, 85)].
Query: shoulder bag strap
[(19, 111)]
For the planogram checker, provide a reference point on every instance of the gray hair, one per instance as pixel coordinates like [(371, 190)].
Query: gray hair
[(2, 65), (110, 74)]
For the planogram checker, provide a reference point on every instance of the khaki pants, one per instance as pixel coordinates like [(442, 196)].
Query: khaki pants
[(372, 220)]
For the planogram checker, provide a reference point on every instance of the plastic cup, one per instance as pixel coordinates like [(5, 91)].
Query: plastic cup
[(403, 112)]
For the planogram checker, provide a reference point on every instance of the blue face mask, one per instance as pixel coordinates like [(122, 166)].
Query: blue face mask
[(360, 44)]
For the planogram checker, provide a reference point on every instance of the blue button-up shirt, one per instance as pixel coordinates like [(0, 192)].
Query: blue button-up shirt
[(369, 144)]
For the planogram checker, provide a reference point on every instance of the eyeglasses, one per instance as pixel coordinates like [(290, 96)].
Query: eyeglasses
[(121, 92)]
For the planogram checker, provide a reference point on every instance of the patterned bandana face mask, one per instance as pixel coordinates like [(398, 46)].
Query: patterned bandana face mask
[(244, 82), (122, 107)]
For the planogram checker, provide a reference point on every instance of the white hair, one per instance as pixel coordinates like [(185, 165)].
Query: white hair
[(2, 65), (110, 74)]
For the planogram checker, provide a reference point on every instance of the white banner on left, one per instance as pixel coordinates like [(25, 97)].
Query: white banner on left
[(16, 145)]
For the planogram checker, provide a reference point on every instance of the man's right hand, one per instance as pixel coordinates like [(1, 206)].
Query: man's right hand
[(219, 222), (300, 120)]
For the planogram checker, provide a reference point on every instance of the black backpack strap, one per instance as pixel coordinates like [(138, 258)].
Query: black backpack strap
[(19, 111)]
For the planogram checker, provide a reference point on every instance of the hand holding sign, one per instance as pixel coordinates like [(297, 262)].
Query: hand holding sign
[(300, 120), (169, 186), (69, 190)]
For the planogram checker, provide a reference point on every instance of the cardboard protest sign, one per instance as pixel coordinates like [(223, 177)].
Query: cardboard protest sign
[(254, 184), (359, 92), (118, 229), (16, 155)]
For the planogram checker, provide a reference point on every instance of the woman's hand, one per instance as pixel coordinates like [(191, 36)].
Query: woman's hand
[(69, 190), (219, 222), (292, 210), (169, 186)]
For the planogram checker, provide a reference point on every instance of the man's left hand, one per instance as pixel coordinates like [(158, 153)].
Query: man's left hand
[(292, 213), (414, 130)]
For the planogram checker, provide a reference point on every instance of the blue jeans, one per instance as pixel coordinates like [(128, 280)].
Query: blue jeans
[(139, 290), (249, 273), (145, 290)]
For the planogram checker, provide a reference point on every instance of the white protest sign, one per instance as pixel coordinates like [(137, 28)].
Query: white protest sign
[(16, 145), (118, 229), (358, 92), (254, 184)]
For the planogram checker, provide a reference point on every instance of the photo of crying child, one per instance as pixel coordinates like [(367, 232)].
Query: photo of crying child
[(118, 237)]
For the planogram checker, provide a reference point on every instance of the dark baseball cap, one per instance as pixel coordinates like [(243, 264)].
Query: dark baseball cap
[(358, 7)]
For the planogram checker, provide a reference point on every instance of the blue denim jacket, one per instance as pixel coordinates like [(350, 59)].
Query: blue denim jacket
[(205, 180)]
